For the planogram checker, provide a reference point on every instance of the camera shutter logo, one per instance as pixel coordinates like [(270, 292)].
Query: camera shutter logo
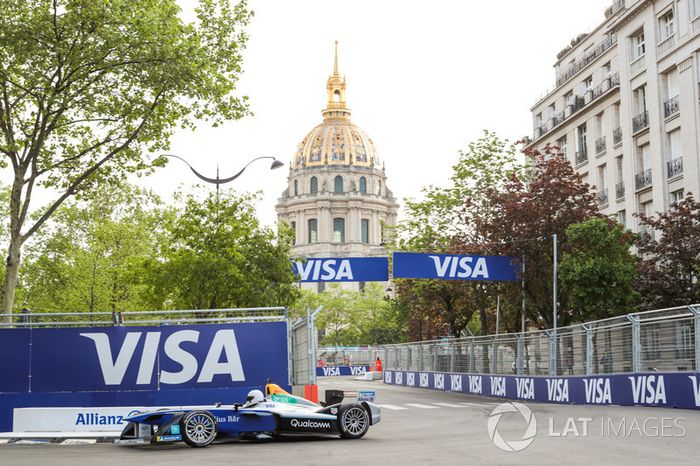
[(513, 445)]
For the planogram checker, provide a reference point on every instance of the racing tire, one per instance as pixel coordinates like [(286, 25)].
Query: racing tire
[(353, 421), (198, 428)]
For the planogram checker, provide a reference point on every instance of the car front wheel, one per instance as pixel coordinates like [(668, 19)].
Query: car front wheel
[(353, 421), (198, 428)]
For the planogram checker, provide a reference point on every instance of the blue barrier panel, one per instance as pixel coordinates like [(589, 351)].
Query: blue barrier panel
[(348, 269), (101, 366), (330, 371), (669, 389), (454, 266)]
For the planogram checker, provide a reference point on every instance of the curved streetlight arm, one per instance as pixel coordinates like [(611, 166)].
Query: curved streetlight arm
[(218, 181)]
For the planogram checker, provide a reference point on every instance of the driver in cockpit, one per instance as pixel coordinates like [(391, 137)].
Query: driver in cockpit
[(254, 397)]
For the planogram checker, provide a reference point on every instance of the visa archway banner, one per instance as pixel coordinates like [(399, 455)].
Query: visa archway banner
[(455, 266), (342, 269)]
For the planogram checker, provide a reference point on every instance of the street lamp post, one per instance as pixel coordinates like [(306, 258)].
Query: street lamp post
[(219, 181), (554, 309)]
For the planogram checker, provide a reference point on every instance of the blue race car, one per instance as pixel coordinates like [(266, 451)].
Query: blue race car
[(275, 414)]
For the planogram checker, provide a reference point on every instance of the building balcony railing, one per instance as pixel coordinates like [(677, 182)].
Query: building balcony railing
[(620, 190), (586, 59), (600, 145), (640, 122), (603, 197), (581, 155), (643, 179), (674, 167), (617, 136), (665, 45), (577, 103), (671, 106)]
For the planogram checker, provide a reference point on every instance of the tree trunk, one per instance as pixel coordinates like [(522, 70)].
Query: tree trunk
[(11, 277)]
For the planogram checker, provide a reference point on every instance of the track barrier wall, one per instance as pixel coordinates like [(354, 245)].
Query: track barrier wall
[(656, 389), (137, 366)]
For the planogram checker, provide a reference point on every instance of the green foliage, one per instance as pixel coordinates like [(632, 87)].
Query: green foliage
[(353, 318), (90, 257), (598, 272), (214, 254), (89, 88), (669, 271), (443, 221)]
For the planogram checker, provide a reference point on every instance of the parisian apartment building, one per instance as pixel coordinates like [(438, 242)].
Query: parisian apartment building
[(625, 107)]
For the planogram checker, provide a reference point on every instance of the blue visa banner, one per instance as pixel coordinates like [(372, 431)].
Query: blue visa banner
[(455, 267), (335, 371), (657, 389), (337, 269), (143, 358)]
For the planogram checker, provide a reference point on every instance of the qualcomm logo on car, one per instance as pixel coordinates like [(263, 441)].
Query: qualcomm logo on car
[(512, 445), (308, 424), (222, 357)]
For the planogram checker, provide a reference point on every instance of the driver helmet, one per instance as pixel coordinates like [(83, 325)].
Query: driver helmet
[(254, 397)]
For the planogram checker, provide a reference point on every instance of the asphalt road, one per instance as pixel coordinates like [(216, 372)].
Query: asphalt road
[(420, 426)]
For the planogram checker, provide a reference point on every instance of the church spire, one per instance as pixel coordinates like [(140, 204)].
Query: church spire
[(336, 93)]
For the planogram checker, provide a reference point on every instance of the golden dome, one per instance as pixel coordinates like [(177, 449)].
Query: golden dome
[(336, 141)]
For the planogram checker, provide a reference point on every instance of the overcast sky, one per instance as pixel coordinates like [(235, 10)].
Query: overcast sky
[(423, 79)]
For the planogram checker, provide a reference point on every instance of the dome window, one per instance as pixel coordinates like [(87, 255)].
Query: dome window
[(314, 185), (338, 184), (296, 187), (336, 95), (363, 184), (338, 230)]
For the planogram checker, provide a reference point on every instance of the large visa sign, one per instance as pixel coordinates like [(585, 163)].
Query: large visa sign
[(455, 266), (144, 358), (336, 269)]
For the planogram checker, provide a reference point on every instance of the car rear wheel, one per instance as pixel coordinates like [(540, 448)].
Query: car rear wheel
[(198, 428), (353, 421)]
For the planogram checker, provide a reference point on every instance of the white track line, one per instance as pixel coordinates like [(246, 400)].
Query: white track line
[(449, 405), (421, 406), (392, 407), (31, 442), (4, 440)]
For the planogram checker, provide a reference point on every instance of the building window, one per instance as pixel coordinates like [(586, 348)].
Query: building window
[(338, 184), (338, 230), (640, 100), (666, 25), (363, 184), (314, 185), (364, 227), (379, 188), (638, 44), (684, 341), (296, 187), (622, 217), (313, 230), (606, 70), (676, 196), (563, 147), (586, 85), (696, 8), (293, 226)]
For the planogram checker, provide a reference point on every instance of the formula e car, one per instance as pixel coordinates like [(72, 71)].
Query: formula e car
[(275, 414)]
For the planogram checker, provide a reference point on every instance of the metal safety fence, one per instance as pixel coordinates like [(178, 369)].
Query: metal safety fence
[(663, 340), (348, 355)]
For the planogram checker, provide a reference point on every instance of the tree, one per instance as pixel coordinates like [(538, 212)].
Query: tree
[(523, 216), (88, 87), (444, 222), (90, 256), (669, 272), (214, 254), (598, 272)]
